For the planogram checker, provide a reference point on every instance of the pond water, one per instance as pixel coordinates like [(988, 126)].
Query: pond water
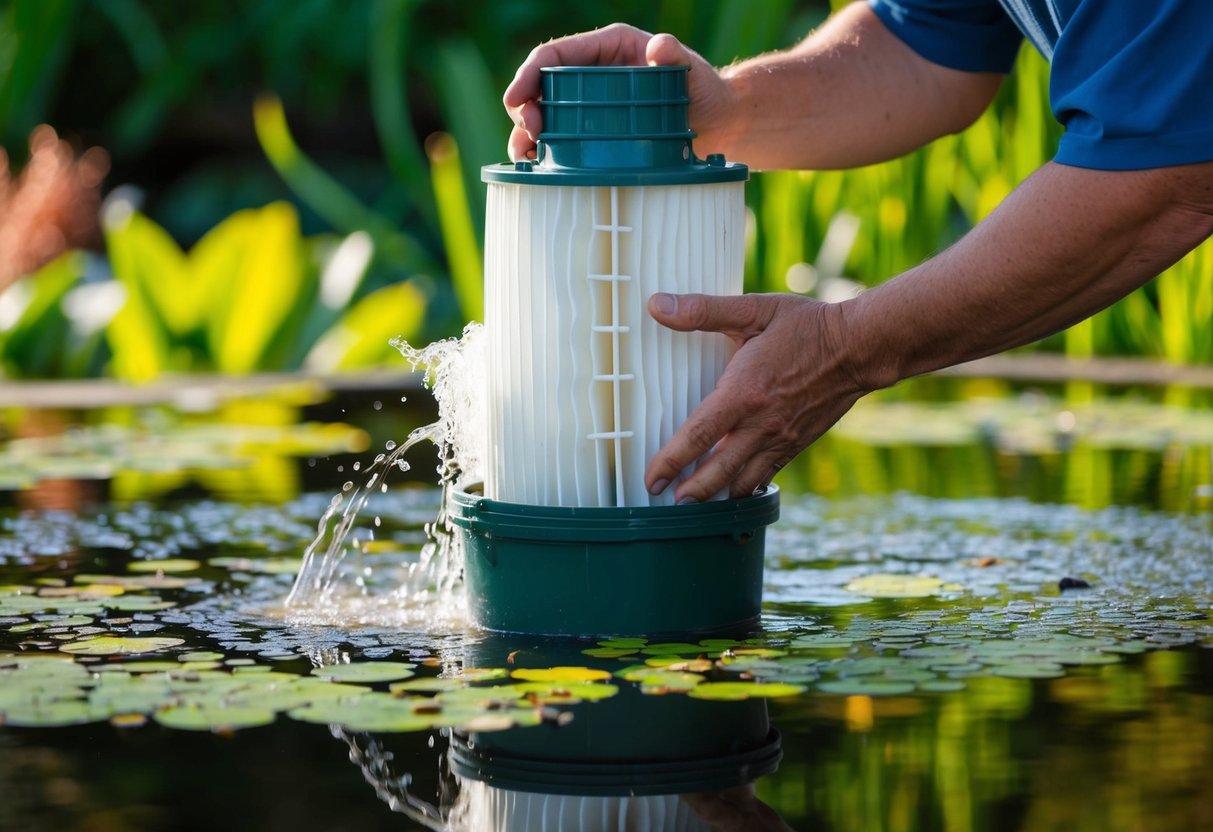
[(978, 614)]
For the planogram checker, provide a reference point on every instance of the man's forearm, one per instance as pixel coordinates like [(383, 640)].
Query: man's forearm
[(1066, 244), (850, 94)]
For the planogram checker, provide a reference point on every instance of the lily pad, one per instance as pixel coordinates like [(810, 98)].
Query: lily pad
[(734, 691), (120, 646), (867, 686), (54, 713), (365, 672), (560, 674), (213, 718), (883, 585), (169, 565)]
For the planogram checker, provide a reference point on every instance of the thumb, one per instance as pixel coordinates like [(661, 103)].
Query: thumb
[(739, 316), (666, 50)]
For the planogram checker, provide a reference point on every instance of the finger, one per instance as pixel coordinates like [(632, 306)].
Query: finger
[(757, 474), (666, 50), (524, 135), (707, 425), (738, 464), (740, 316), (611, 45), (521, 146)]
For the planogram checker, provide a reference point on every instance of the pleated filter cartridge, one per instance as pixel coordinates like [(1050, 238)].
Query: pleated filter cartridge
[(584, 386)]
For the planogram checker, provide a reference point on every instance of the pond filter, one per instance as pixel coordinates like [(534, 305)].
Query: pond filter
[(584, 386)]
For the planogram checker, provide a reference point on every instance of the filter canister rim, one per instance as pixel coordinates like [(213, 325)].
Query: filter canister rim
[(596, 524)]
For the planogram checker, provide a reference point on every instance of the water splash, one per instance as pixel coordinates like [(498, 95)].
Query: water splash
[(430, 588)]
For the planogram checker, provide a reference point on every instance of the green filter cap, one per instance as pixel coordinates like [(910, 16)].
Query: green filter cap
[(615, 125)]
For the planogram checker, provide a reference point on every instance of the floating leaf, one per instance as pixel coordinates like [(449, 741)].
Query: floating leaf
[(623, 643), (1029, 670), (560, 674), (651, 679), (480, 674), (428, 684), (673, 648), (867, 686), (609, 652), (119, 646), (170, 565), (261, 566), (883, 585), (190, 717), (201, 656), (371, 712), (54, 713), (556, 693), (365, 671), (731, 691)]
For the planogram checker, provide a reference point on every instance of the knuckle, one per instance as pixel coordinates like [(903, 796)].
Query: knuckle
[(700, 435), (695, 309)]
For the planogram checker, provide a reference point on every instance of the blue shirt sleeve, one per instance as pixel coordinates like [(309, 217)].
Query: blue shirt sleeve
[(1132, 82), (969, 35)]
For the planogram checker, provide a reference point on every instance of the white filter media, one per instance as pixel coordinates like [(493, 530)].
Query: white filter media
[(583, 385)]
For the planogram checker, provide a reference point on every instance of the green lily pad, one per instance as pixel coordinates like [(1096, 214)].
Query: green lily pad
[(732, 691), (190, 717), (867, 686), (119, 646), (427, 684), (655, 680), (201, 656), (560, 674), (624, 643), (482, 674), (553, 693), (883, 585), (169, 565), (610, 652), (260, 566), (822, 642), (365, 671), (1028, 670), (53, 714), (374, 712)]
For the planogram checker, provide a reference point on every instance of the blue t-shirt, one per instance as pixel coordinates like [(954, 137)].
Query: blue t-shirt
[(1130, 80)]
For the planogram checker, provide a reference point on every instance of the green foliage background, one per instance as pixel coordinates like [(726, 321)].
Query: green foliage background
[(267, 138)]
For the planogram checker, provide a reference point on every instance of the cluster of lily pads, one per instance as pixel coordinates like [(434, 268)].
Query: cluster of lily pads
[(895, 596), (165, 443)]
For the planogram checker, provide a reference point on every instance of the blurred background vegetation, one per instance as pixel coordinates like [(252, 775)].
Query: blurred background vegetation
[(291, 183)]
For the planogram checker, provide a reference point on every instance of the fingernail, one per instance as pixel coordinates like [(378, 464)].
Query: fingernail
[(659, 486), (688, 501), (664, 303)]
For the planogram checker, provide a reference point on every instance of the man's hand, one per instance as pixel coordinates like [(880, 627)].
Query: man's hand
[(614, 45), (785, 386)]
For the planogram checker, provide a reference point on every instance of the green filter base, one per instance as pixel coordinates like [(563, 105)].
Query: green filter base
[(651, 571)]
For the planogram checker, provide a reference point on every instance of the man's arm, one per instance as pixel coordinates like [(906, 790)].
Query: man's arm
[(849, 94), (1065, 244)]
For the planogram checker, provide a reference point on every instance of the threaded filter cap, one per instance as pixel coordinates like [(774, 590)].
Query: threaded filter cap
[(616, 125)]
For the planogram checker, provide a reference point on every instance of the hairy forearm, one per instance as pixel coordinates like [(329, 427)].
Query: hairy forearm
[(849, 94), (1066, 244)]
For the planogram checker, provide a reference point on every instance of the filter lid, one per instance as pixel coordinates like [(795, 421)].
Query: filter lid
[(616, 125)]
